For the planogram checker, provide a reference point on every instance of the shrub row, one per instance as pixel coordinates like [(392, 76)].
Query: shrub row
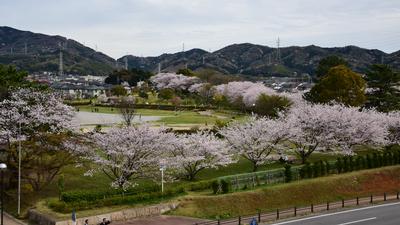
[(348, 164), (199, 186), (220, 187), (65, 207), (74, 196)]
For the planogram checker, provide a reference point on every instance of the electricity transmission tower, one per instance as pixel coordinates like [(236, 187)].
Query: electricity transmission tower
[(61, 66), (278, 51)]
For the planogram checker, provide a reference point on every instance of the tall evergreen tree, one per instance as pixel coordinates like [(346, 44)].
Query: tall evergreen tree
[(340, 84), (327, 63), (383, 92)]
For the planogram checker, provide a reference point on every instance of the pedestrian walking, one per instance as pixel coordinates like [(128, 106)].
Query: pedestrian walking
[(105, 222), (253, 221)]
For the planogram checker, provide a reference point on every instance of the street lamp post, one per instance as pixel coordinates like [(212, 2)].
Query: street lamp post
[(19, 170), (162, 168), (3, 167)]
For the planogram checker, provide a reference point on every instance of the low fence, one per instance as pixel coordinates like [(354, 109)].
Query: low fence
[(262, 217), (251, 180)]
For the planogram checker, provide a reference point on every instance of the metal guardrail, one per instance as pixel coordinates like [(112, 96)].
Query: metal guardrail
[(262, 217)]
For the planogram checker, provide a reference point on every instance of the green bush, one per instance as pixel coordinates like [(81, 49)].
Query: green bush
[(143, 94), (328, 167), (288, 173), (215, 186), (74, 196), (199, 186), (351, 163), (339, 165), (370, 163), (302, 172), (308, 169), (346, 166), (225, 186), (316, 169), (64, 207), (322, 168), (358, 163)]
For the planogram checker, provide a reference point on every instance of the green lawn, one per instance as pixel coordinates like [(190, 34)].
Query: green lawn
[(173, 118)]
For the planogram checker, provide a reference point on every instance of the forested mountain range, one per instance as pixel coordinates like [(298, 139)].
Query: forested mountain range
[(36, 52)]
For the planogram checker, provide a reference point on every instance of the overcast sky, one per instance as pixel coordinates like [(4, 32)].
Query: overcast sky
[(153, 27)]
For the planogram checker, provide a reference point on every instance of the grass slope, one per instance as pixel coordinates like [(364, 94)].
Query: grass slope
[(300, 193)]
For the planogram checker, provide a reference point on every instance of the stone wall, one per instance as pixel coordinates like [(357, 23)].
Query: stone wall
[(126, 214)]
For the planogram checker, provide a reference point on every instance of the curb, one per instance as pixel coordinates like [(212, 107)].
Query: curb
[(14, 219)]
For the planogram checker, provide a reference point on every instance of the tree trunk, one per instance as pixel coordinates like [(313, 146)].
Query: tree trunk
[(303, 158), (255, 167)]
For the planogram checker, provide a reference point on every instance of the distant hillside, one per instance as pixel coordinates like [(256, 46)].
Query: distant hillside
[(246, 59), (43, 53), (257, 60)]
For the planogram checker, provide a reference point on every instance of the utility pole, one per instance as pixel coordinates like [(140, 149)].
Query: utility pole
[(159, 67), (204, 61)]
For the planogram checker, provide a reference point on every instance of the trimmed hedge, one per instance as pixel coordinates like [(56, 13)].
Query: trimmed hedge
[(74, 196), (65, 207)]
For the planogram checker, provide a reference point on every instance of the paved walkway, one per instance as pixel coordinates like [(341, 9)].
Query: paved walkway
[(89, 118), (161, 220), (10, 221)]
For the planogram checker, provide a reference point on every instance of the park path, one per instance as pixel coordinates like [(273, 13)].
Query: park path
[(92, 118), (8, 220), (161, 220)]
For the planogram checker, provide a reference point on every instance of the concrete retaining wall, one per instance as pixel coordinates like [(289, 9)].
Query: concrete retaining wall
[(126, 214)]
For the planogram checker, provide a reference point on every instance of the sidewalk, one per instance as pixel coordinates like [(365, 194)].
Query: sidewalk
[(9, 220)]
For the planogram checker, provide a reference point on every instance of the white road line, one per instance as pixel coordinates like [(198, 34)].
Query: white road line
[(358, 221), (337, 213)]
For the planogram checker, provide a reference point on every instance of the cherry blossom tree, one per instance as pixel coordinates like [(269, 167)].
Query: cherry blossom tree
[(128, 153), (358, 127), (36, 112), (44, 121), (126, 108), (193, 153), (257, 139), (394, 127), (247, 90), (316, 127), (173, 81)]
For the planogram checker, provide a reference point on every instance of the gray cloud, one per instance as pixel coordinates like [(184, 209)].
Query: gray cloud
[(152, 27)]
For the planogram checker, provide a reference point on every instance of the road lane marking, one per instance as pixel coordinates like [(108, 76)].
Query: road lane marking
[(358, 221), (337, 213)]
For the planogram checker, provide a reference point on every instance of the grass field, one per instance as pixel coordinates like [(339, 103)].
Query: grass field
[(300, 193), (176, 118)]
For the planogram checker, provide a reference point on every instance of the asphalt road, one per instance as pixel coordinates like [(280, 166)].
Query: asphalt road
[(386, 214)]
